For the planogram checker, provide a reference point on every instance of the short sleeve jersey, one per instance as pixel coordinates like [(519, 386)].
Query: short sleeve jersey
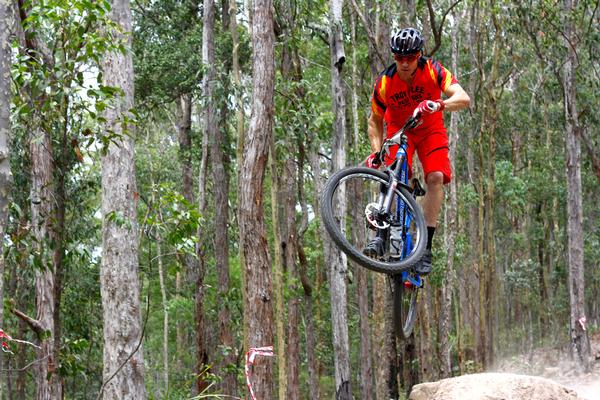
[(395, 100)]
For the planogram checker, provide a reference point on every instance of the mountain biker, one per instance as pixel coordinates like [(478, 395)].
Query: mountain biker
[(413, 84)]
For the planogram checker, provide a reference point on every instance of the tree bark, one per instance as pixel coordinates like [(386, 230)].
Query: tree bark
[(123, 373), (579, 340), (6, 21), (293, 342), (380, 339), (338, 268), (209, 131), (450, 229), (362, 287), (310, 330), (288, 189), (279, 274), (228, 384), (311, 342), (475, 225), (255, 262), (42, 212)]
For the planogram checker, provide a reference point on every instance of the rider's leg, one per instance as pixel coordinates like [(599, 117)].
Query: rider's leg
[(432, 202)]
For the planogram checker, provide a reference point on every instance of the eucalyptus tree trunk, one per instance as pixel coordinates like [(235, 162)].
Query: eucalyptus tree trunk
[(46, 204), (198, 275), (312, 363), (362, 287), (338, 268), (476, 214), (278, 275), (362, 297), (6, 23), (255, 260), (42, 213), (580, 344), (219, 157), (425, 338), (209, 131), (311, 334), (290, 253), (450, 229), (489, 126), (288, 189), (311, 342), (228, 384), (123, 373)]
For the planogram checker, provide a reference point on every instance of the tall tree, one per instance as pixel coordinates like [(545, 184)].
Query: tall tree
[(42, 209), (579, 339), (279, 273), (6, 21), (47, 207), (450, 229), (220, 174), (255, 262), (209, 131), (362, 287), (123, 373), (338, 266)]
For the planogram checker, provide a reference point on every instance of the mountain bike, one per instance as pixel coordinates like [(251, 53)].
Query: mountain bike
[(391, 211)]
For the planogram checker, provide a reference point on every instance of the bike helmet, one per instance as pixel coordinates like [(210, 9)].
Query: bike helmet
[(406, 41)]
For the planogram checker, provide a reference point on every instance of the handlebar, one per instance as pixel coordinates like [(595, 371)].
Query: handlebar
[(410, 123)]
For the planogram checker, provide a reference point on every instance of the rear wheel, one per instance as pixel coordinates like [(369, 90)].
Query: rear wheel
[(405, 307), (365, 185)]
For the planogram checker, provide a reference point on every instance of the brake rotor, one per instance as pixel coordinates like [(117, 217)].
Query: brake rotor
[(371, 212)]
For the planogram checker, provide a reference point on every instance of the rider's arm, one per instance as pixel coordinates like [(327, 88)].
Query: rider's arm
[(457, 98), (375, 131)]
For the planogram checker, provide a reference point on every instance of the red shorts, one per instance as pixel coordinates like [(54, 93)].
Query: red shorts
[(432, 150)]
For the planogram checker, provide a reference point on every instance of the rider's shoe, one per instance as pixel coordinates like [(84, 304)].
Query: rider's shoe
[(375, 248), (423, 266)]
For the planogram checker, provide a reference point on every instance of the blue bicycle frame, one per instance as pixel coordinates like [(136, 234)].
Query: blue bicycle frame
[(401, 171)]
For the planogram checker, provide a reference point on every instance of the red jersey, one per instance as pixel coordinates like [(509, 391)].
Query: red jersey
[(395, 100)]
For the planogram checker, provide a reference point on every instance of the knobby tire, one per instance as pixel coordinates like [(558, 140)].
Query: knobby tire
[(333, 225)]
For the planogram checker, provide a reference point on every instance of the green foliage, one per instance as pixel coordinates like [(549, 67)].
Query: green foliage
[(161, 76), (59, 82), (511, 189), (174, 219)]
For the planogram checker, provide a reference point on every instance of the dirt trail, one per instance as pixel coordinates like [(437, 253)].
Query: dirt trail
[(555, 365)]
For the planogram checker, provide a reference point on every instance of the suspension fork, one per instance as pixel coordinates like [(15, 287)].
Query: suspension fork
[(386, 192)]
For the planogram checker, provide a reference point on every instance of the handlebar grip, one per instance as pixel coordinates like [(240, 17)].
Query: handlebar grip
[(412, 121)]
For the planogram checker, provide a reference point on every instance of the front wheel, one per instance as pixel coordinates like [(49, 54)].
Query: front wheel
[(361, 188)]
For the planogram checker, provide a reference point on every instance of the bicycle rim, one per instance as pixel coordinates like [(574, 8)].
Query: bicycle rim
[(346, 221), (405, 308)]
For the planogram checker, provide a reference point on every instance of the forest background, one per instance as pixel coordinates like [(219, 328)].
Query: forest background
[(159, 193)]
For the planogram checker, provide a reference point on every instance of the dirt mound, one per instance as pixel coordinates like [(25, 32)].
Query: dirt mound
[(493, 386), (556, 364)]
